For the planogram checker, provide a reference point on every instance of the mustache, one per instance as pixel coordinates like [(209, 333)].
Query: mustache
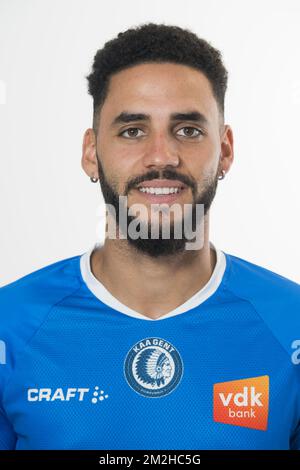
[(165, 174)]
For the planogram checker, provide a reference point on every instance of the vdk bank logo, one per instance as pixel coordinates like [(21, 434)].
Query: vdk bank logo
[(153, 367), (243, 402)]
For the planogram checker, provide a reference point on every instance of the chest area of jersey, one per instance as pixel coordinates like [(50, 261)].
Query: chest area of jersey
[(144, 389)]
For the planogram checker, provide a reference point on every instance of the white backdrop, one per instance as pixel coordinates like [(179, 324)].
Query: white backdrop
[(49, 208)]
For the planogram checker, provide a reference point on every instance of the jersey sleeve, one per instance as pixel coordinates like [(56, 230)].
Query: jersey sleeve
[(24, 304), (8, 437)]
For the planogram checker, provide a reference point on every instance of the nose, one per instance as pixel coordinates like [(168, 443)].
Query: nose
[(161, 152)]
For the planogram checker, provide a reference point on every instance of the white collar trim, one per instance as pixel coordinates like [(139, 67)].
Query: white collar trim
[(98, 289)]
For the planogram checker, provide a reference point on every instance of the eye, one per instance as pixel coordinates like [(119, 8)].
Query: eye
[(191, 131), (132, 132)]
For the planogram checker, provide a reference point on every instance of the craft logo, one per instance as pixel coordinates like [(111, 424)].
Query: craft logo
[(243, 402), (68, 394), (153, 367)]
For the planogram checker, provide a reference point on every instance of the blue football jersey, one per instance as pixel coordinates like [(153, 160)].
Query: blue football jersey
[(80, 370)]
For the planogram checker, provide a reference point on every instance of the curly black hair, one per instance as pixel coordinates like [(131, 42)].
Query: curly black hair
[(155, 43)]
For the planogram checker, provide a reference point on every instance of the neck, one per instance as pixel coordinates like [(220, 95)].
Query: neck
[(152, 286)]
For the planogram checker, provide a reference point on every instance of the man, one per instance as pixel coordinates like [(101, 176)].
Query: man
[(152, 342)]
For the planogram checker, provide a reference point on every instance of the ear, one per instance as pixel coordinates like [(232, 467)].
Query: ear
[(227, 154), (89, 158)]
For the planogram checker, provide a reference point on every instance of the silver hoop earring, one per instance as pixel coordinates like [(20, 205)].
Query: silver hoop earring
[(222, 175), (93, 179)]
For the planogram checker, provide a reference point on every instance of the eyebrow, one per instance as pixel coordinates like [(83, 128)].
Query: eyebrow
[(125, 117)]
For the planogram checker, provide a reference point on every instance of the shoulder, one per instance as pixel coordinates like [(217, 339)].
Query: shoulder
[(275, 298), (256, 280), (25, 303), (46, 284)]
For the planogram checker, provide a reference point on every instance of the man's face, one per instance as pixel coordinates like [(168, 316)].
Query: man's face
[(159, 128)]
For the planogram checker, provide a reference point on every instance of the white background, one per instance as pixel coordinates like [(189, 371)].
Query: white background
[(49, 208)]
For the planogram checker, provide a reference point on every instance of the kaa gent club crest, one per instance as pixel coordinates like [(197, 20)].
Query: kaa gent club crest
[(153, 367)]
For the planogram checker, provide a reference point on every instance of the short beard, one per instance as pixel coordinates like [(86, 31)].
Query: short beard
[(159, 247)]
